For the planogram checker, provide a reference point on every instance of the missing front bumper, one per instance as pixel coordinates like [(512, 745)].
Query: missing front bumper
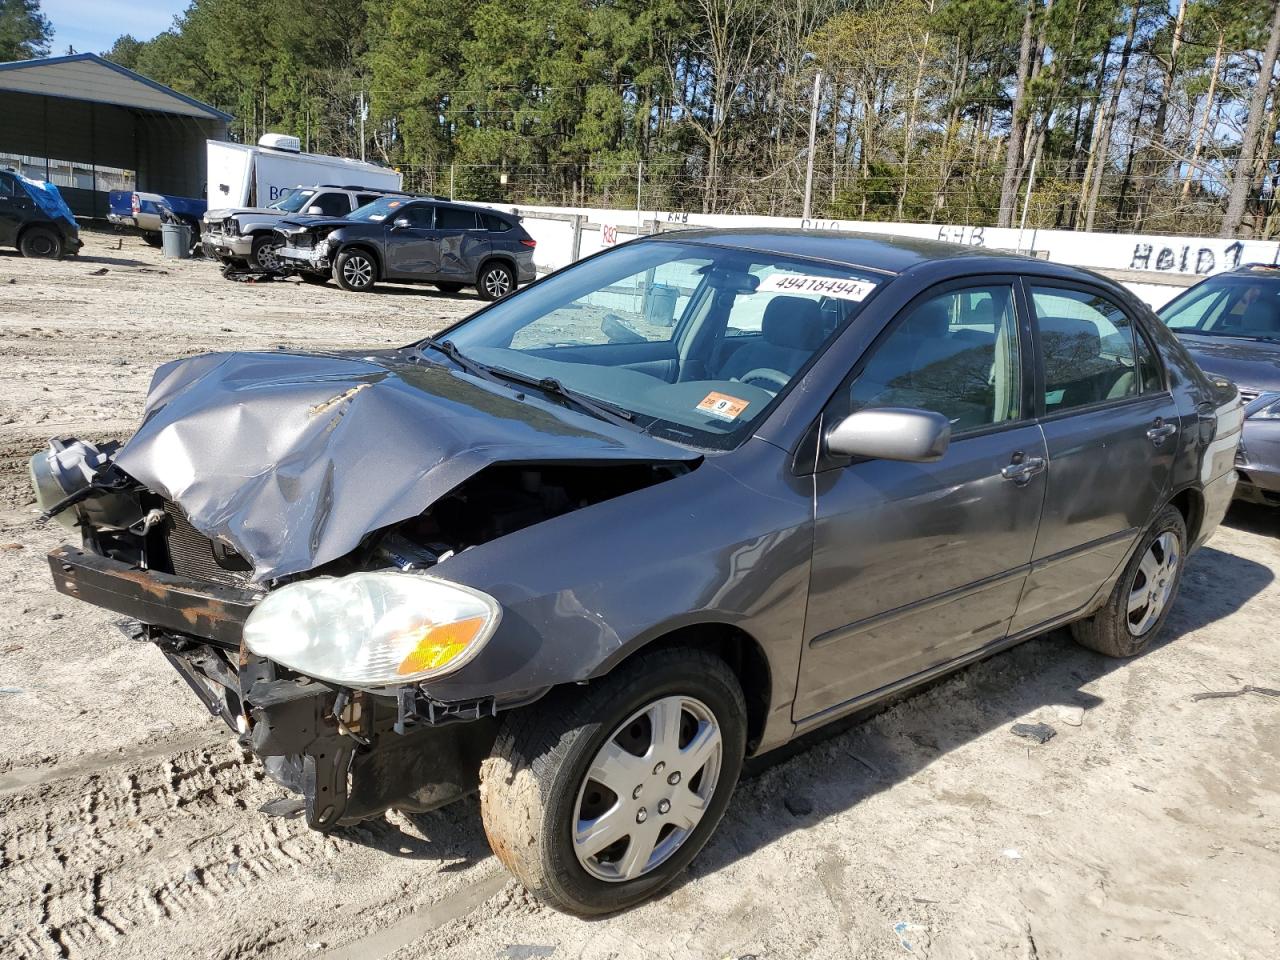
[(351, 755)]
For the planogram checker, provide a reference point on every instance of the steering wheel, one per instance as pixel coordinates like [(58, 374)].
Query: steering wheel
[(768, 375)]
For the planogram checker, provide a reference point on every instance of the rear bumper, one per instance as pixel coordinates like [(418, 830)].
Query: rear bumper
[(350, 754), (121, 221)]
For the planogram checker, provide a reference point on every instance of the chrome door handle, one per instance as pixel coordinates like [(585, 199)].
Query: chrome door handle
[(1023, 469), (1161, 431)]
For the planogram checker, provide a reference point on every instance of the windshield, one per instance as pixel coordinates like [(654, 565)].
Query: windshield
[(293, 201), (1235, 306), (693, 341), (378, 210)]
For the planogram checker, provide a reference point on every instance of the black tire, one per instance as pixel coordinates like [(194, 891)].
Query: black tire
[(262, 255), (448, 287), (1119, 631), (41, 243), (496, 281), (152, 239), (355, 270), (534, 784)]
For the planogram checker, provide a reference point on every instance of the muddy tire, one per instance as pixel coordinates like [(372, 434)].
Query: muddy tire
[(1144, 594), (597, 797), (152, 239), (448, 287), (263, 253), (355, 270), (496, 281), (41, 243)]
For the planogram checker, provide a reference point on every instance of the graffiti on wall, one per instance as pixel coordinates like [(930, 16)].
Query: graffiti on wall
[(1186, 258), (968, 236)]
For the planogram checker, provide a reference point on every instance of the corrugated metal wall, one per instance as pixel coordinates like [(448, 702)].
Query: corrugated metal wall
[(166, 150)]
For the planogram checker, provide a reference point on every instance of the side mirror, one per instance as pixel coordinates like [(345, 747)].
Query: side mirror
[(891, 433), (315, 211), (400, 223)]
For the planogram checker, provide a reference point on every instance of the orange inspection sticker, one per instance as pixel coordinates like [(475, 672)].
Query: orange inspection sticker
[(722, 406)]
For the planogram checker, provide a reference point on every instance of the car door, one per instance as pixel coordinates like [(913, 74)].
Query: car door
[(918, 564), (1111, 428), (464, 243), (14, 210), (411, 244)]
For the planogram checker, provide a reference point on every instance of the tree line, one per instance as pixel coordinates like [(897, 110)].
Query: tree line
[(1127, 115)]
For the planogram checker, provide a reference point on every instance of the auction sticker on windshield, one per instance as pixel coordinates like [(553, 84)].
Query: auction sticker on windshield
[(857, 290), (722, 406)]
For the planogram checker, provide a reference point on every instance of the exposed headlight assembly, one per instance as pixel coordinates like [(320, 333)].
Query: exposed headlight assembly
[(372, 630), (1269, 408)]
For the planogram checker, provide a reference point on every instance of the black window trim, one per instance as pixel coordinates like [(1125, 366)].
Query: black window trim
[(1026, 414), (1042, 416)]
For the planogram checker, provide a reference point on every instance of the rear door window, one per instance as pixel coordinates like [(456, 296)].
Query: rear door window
[(453, 218), (1086, 341)]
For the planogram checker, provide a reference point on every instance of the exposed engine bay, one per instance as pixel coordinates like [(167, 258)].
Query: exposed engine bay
[(351, 753)]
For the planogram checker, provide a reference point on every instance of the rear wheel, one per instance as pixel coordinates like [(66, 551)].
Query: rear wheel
[(264, 252), (355, 270), (496, 280), (42, 243), (1144, 594), (152, 239), (597, 798), (448, 287)]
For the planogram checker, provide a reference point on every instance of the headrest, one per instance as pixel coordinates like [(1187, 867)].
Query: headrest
[(1068, 341), (929, 321), (792, 322), (1263, 315)]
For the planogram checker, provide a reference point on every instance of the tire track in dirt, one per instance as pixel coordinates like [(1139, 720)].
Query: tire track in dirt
[(92, 864)]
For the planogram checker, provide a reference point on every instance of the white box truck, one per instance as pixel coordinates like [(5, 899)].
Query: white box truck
[(252, 188)]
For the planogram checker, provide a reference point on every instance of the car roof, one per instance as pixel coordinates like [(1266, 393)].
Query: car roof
[(882, 253)]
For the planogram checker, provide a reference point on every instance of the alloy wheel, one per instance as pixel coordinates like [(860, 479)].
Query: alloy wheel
[(1153, 583), (267, 258), (357, 271), (497, 283), (647, 789)]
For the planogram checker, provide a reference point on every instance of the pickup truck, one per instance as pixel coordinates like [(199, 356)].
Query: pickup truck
[(143, 212)]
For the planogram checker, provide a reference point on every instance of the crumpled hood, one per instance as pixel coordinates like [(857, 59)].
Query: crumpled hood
[(223, 212), (1254, 364), (293, 458)]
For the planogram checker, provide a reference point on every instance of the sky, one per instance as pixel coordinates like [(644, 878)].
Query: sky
[(91, 26)]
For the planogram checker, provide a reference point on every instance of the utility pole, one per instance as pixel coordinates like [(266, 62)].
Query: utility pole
[(361, 122), (813, 136), (639, 185)]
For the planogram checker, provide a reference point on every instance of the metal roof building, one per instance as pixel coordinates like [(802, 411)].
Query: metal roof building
[(90, 126)]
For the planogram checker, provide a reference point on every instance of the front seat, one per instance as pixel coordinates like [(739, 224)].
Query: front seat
[(790, 332)]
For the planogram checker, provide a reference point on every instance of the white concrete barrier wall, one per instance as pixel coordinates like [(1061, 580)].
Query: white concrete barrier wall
[(1167, 263)]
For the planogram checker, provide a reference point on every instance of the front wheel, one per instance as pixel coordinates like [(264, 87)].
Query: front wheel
[(598, 797), (1144, 594), (263, 254), (41, 243), (354, 270), (496, 280)]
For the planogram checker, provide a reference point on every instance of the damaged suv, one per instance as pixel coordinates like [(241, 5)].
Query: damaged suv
[(667, 508)]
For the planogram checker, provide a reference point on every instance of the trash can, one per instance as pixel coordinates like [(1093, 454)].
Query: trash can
[(175, 240), (660, 305)]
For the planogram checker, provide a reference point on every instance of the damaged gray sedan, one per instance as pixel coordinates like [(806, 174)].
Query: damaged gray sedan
[(669, 507)]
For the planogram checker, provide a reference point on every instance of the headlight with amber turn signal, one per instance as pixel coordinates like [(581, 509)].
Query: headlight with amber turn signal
[(372, 630)]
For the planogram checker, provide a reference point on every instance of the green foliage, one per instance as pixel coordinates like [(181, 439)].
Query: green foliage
[(24, 31)]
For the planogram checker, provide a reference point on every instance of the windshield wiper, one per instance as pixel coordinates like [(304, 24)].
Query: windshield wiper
[(597, 408), (473, 367)]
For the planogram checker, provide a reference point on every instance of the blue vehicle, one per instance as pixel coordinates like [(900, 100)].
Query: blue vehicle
[(35, 219), (147, 211)]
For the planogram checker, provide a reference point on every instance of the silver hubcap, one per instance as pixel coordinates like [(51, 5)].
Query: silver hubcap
[(647, 789), (497, 283), (357, 271), (1153, 583), (267, 258)]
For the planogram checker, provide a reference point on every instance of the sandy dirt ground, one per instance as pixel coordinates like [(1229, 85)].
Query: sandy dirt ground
[(129, 823)]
